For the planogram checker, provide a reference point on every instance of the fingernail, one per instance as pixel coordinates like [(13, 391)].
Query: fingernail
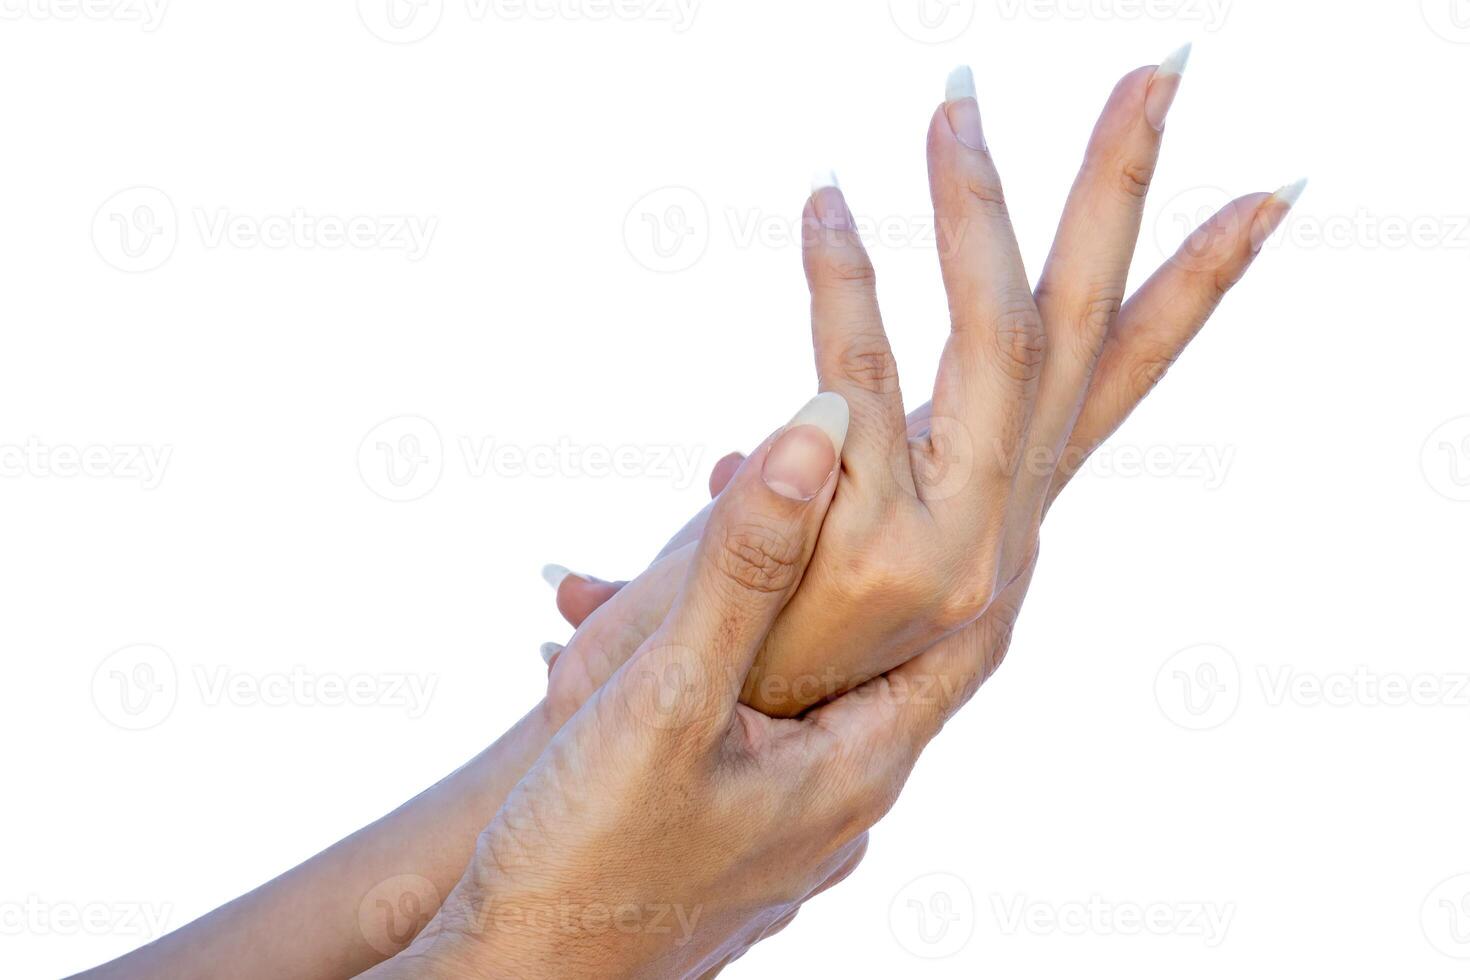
[(1164, 86), (962, 108), (1291, 193), (829, 203), (549, 650), (804, 455), (1274, 211), (554, 574)]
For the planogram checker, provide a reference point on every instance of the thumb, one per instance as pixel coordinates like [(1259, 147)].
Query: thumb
[(761, 534)]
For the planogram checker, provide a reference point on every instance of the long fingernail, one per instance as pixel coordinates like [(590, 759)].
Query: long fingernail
[(963, 109), (1291, 193), (1164, 86), (554, 574), (1274, 211), (549, 650), (805, 454), (829, 203)]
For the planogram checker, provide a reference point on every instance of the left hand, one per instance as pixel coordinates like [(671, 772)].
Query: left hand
[(1058, 371), (668, 827)]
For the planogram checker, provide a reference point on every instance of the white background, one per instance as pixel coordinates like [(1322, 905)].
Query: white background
[(1329, 547)]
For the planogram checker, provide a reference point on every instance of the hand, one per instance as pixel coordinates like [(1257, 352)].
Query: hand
[(938, 512), (668, 827)]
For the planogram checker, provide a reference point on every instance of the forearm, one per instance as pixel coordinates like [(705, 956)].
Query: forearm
[(362, 899)]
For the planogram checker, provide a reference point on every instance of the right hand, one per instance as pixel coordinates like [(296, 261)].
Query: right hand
[(938, 513)]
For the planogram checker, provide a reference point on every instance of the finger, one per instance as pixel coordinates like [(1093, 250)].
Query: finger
[(1082, 285), (724, 472), (754, 550), (992, 361), (577, 596), (1166, 313), (852, 352), (610, 635)]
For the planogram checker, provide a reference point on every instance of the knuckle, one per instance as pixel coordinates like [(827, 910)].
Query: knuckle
[(871, 366), (759, 558), (1021, 342), (984, 192), (1096, 319), (847, 267), (1135, 178), (1149, 368), (961, 607)]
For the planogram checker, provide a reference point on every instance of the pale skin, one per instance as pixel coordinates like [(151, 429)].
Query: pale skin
[(913, 579)]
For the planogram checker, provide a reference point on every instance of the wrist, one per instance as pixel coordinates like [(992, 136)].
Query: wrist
[(533, 937)]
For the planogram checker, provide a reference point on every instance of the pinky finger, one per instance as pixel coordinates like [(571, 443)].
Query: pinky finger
[(578, 596), (1166, 313)]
